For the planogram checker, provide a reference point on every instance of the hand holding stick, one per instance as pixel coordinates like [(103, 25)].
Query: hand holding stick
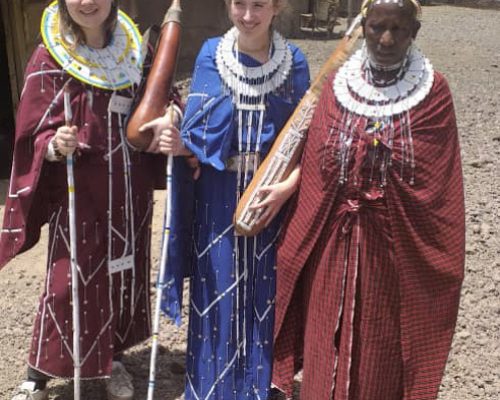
[(161, 279)]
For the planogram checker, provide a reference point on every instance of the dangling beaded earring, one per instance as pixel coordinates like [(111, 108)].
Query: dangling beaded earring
[(364, 49)]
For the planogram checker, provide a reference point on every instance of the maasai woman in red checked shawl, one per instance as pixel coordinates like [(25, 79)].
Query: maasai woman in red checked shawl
[(371, 262)]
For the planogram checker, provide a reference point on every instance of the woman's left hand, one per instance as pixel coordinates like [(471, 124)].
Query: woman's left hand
[(274, 196)]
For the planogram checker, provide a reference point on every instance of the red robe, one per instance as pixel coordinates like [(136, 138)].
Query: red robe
[(114, 309), (369, 276)]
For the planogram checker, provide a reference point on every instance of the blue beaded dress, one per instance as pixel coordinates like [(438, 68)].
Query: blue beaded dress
[(234, 111)]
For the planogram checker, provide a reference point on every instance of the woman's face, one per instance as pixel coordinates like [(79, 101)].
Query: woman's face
[(252, 18), (389, 30), (90, 15)]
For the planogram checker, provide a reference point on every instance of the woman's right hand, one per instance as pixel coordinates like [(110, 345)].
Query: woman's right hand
[(165, 129), (65, 139), (170, 142)]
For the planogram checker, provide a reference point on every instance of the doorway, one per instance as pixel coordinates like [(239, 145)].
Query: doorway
[(6, 109)]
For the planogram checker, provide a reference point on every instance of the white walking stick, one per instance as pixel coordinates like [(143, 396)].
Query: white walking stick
[(161, 279), (72, 241)]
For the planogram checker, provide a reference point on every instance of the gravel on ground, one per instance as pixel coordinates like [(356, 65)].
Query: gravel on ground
[(464, 44)]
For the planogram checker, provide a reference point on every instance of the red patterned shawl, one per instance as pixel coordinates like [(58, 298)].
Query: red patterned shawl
[(427, 224)]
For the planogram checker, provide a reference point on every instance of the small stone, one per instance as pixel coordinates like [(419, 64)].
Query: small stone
[(469, 250), (463, 334), (485, 229)]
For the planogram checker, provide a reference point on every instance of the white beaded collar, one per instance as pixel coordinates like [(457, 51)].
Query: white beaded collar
[(253, 81), (117, 66), (362, 98)]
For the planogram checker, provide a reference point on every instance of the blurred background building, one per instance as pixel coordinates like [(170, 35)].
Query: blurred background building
[(20, 33)]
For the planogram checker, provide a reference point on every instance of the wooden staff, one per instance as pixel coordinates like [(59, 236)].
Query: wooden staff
[(156, 96), (73, 255), (161, 279), (287, 148)]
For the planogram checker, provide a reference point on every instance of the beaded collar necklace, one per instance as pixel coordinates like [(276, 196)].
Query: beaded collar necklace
[(359, 95), (253, 81), (382, 112), (114, 67)]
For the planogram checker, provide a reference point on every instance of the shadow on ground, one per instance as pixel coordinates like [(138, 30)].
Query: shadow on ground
[(169, 378)]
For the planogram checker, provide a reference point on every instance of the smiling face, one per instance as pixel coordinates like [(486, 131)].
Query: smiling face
[(89, 15), (389, 30), (252, 18)]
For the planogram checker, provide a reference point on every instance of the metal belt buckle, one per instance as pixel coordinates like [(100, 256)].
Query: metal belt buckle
[(232, 163)]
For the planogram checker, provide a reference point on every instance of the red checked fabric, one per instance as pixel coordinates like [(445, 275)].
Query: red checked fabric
[(369, 280)]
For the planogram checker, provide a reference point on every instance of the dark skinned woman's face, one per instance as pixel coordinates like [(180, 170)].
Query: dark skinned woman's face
[(389, 30)]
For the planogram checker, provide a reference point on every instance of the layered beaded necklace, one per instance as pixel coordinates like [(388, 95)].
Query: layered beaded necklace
[(249, 88), (379, 106), (248, 83)]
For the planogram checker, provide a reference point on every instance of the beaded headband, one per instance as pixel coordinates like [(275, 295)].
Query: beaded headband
[(368, 3)]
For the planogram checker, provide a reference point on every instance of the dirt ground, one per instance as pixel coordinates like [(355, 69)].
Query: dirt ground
[(464, 44)]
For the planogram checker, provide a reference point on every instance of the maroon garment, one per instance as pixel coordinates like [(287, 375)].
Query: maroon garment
[(369, 276), (114, 201)]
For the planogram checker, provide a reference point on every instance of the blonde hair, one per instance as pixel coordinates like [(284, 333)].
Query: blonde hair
[(279, 4), (69, 27)]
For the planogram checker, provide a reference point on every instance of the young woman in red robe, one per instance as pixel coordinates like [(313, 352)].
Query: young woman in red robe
[(93, 50), (371, 262)]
